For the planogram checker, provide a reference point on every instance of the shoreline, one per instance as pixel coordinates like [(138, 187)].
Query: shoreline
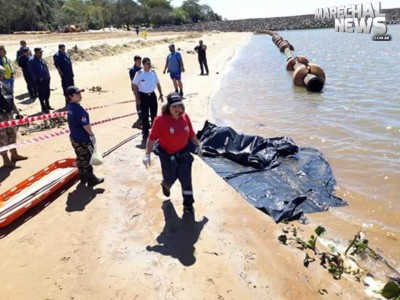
[(104, 235)]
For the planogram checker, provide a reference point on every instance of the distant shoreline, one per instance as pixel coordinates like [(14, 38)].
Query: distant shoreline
[(273, 24)]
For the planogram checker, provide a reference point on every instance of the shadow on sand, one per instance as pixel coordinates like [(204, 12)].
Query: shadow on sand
[(179, 235), (22, 96), (5, 172), (82, 196)]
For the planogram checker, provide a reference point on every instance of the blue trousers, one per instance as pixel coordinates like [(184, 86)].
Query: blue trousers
[(178, 166)]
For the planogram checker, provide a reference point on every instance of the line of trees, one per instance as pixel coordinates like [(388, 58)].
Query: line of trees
[(28, 15)]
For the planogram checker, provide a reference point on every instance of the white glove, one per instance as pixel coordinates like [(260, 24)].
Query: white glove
[(199, 151), (147, 160), (93, 139)]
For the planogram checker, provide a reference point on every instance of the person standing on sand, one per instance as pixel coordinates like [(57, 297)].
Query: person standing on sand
[(21, 48), (8, 76), (23, 63), (132, 72), (201, 51), (143, 85), (63, 63), (41, 76), (176, 139), (8, 135), (174, 65), (81, 136)]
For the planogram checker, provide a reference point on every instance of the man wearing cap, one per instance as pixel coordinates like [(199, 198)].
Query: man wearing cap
[(63, 63), (7, 65), (174, 65), (143, 85), (81, 136), (8, 135), (176, 139), (23, 63), (41, 76)]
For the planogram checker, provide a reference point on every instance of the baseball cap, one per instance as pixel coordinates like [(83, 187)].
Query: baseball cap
[(38, 49), (25, 49), (61, 46), (73, 90), (174, 99), (171, 45)]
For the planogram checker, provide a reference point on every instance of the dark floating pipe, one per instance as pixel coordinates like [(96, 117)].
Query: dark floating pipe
[(305, 73)]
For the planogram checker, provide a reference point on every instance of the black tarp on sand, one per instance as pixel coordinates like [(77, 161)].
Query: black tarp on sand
[(273, 174)]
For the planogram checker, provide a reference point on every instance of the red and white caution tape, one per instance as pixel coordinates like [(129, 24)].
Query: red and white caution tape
[(54, 115), (55, 134)]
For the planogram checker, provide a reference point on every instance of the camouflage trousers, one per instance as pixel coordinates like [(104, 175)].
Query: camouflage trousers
[(7, 135), (83, 153)]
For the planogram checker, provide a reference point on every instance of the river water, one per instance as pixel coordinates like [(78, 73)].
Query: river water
[(354, 121)]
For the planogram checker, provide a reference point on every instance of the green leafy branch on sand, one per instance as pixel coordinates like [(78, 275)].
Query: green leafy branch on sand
[(58, 122), (337, 263), (391, 290)]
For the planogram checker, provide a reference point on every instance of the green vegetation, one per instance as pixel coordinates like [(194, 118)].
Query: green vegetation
[(339, 264), (29, 15)]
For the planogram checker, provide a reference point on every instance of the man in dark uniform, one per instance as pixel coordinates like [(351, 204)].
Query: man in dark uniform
[(81, 136), (132, 72), (20, 50), (63, 63), (23, 63), (8, 135), (41, 76), (201, 52)]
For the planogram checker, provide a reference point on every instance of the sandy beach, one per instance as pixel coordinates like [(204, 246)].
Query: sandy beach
[(123, 239)]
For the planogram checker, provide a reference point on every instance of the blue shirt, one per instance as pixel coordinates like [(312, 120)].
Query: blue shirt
[(174, 62), (63, 61), (77, 118), (38, 69), (133, 70)]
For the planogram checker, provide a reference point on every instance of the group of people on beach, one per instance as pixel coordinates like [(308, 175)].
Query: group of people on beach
[(169, 135), (37, 77), (36, 72), (172, 137)]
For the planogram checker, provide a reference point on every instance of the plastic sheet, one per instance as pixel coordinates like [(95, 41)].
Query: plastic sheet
[(273, 174)]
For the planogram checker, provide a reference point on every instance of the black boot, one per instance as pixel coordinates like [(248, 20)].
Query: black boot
[(92, 180), (83, 178)]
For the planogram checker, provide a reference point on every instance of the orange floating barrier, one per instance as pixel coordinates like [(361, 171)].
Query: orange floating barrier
[(33, 190)]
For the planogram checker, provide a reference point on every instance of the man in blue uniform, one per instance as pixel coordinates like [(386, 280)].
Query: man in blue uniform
[(81, 136), (21, 48), (23, 63), (41, 76), (132, 72), (63, 63)]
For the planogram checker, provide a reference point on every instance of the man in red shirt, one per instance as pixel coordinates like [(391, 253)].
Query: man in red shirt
[(175, 138)]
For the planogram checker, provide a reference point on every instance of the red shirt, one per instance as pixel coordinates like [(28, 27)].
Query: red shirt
[(172, 134)]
